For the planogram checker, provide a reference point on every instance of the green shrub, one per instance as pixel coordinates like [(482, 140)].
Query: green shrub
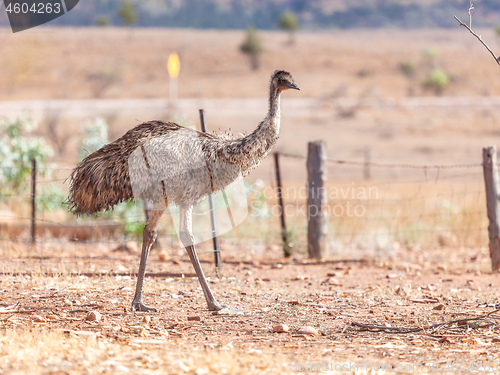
[(127, 14), (18, 147), (96, 136), (288, 22), (252, 47), (437, 80)]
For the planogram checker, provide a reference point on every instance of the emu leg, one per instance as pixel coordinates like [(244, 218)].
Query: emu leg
[(187, 238), (148, 238)]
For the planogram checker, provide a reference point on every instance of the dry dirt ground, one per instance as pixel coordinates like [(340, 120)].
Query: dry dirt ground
[(62, 323)]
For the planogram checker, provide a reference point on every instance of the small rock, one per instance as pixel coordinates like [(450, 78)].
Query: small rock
[(38, 319), (128, 247), (228, 311), (294, 302), (308, 330), (94, 316), (447, 239), (146, 319), (334, 281), (439, 307), (194, 318), (280, 328), (403, 290), (302, 277)]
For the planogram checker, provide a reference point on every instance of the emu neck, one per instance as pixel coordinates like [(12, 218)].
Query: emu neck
[(247, 152), (267, 133)]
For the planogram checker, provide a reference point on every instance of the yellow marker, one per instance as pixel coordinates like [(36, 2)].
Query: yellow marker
[(173, 65)]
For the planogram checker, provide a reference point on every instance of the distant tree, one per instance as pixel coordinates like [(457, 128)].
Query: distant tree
[(252, 47), (102, 21), (288, 22), (497, 29), (127, 14)]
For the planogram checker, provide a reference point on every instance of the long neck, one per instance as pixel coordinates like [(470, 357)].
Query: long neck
[(247, 152)]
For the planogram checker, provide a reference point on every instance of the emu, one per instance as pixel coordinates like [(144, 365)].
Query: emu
[(166, 163)]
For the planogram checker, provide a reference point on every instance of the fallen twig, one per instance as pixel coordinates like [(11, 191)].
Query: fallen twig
[(9, 309), (377, 328)]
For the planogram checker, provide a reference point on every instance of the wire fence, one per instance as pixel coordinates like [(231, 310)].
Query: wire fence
[(432, 205), (400, 207)]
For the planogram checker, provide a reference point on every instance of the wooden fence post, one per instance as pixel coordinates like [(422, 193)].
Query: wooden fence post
[(287, 246), (316, 199), (367, 155), (148, 208), (33, 199), (213, 218), (492, 187)]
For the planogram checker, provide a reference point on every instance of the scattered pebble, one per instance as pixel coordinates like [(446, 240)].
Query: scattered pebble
[(334, 281), (294, 302), (228, 311), (439, 307), (308, 330), (94, 316), (281, 328), (194, 318), (38, 319)]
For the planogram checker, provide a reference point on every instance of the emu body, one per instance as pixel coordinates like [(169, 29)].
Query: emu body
[(196, 164)]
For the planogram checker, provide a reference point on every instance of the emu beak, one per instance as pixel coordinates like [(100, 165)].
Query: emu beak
[(293, 86)]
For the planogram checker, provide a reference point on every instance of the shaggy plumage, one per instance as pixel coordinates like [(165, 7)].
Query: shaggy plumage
[(102, 179)]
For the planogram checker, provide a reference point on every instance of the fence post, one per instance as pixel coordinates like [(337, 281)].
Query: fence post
[(213, 218), (492, 187), (287, 246), (367, 155), (316, 199), (148, 208), (33, 198)]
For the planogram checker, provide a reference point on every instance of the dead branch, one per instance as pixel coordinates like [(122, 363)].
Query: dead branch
[(377, 328), (479, 38)]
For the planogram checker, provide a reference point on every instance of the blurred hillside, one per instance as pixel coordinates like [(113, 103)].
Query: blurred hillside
[(264, 14)]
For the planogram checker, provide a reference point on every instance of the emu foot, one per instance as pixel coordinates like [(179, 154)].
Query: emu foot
[(139, 306), (216, 306)]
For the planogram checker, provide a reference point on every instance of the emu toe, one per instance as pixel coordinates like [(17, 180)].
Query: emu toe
[(139, 306)]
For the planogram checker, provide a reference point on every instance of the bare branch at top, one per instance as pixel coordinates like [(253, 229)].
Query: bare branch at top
[(477, 36)]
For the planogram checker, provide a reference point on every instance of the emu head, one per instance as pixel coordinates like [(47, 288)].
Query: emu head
[(283, 80)]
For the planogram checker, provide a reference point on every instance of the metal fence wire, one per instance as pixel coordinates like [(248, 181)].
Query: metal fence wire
[(400, 206)]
